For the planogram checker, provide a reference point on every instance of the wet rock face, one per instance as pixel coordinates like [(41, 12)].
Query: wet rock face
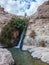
[(6, 57), (14, 37), (39, 23), (15, 34)]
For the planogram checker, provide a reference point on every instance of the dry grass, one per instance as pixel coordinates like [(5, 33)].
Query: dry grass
[(32, 34), (42, 43)]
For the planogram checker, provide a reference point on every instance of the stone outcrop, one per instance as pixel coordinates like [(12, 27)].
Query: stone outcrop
[(43, 10), (38, 27), (6, 57), (4, 18), (41, 53), (36, 40)]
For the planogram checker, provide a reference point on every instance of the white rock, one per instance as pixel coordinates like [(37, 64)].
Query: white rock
[(36, 54), (45, 57), (26, 47), (39, 22), (6, 57), (35, 49)]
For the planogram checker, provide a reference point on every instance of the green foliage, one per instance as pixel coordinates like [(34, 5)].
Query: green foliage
[(15, 24)]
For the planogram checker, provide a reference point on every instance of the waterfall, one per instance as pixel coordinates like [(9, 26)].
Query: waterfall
[(20, 41)]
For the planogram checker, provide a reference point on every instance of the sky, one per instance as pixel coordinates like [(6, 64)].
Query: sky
[(20, 7)]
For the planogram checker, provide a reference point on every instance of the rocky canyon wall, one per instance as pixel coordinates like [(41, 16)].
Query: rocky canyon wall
[(38, 28)]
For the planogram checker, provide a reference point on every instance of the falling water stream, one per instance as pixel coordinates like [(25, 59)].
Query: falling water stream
[(21, 39)]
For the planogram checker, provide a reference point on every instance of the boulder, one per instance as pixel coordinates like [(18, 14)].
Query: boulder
[(45, 57), (41, 53), (36, 54), (6, 57)]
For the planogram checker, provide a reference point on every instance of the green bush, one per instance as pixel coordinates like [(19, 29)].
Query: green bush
[(15, 25)]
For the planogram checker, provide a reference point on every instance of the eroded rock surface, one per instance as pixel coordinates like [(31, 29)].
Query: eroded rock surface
[(6, 57), (38, 28), (43, 10), (36, 40), (41, 53), (4, 18)]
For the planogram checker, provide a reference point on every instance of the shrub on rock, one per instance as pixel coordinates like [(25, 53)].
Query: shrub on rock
[(11, 32)]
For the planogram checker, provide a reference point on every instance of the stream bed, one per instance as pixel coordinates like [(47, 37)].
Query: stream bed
[(24, 58)]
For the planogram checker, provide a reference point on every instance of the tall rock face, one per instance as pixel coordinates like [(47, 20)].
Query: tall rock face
[(4, 18), (38, 28), (37, 36)]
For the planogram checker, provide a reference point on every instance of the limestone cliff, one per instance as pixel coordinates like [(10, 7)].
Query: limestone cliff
[(38, 28), (37, 36)]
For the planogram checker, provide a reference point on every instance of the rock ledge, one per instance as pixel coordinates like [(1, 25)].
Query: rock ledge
[(41, 53), (6, 57)]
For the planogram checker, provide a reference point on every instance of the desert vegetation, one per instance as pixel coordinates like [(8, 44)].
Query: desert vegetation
[(11, 32), (42, 43)]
